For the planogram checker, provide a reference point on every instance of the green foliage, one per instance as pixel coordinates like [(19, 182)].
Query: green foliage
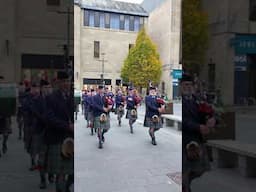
[(195, 35), (142, 63)]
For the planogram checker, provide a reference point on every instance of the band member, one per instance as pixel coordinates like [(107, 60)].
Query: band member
[(131, 106), (90, 117), (194, 156), (5, 126), (19, 119), (60, 127), (101, 108), (86, 105), (119, 101), (84, 94), (154, 108)]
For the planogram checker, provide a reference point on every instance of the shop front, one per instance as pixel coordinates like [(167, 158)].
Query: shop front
[(35, 67), (245, 69)]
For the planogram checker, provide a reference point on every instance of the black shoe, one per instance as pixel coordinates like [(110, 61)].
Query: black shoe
[(154, 141), (42, 185), (131, 130), (100, 145)]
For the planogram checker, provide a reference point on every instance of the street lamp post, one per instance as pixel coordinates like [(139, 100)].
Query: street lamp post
[(103, 68)]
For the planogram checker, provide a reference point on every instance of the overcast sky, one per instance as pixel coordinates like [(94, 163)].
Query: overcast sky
[(131, 1)]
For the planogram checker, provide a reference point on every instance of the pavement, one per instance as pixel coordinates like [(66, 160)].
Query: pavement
[(128, 162), (14, 168)]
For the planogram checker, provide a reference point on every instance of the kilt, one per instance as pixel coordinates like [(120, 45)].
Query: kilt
[(129, 116), (198, 167), (149, 123), (56, 164), (98, 124), (35, 144), (86, 112), (90, 116), (42, 157), (5, 125)]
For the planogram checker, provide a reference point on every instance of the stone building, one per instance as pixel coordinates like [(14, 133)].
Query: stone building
[(106, 29), (32, 41), (231, 57)]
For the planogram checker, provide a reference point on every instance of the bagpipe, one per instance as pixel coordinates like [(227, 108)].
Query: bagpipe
[(161, 103), (67, 148), (137, 100), (108, 101), (206, 111)]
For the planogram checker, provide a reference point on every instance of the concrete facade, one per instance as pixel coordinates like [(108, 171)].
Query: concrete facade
[(165, 33), (114, 43), (226, 19), (40, 31)]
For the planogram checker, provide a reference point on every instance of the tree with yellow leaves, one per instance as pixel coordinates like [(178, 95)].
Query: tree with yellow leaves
[(195, 35), (142, 63)]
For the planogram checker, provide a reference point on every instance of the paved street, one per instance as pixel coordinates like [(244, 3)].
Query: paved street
[(127, 163), (14, 168)]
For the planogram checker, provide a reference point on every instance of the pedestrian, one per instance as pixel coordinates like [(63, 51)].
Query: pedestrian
[(194, 155), (60, 131), (154, 108), (90, 116), (5, 121), (131, 106), (101, 109), (119, 105)]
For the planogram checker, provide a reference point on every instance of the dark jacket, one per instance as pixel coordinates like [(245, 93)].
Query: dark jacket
[(130, 100), (151, 106), (119, 100), (190, 121), (59, 116), (98, 104)]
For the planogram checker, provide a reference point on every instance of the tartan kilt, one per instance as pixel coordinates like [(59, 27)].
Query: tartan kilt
[(5, 125), (56, 164), (98, 124), (198, 167), (42, 157), (149, 123), (129, 116), (35, 144), (86, 112), (119, 112)]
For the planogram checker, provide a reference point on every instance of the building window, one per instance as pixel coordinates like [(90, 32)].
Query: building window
[(96, 19), (91, 18), (86, 18), (252, 10), (141, 22), (96, 49), (53, 2), (137, 24), (114, 21), (131, 26), (126, 23), (122, 22), (107, 20), (102, 20)]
